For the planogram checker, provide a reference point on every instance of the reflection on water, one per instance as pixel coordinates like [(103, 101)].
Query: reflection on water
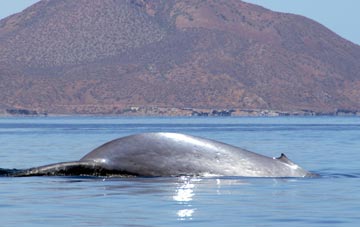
[(189, 187), (184, 194), (315, 143)]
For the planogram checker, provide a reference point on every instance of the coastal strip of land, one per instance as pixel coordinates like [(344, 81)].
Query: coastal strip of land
[(173, 111)]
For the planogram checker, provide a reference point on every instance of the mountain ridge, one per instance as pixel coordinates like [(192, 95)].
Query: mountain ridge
[(64, 56)]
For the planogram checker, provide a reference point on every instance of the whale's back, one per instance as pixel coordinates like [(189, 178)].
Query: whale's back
[(174, 154)]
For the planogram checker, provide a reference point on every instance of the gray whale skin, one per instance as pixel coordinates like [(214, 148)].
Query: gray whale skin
[(168, 154)]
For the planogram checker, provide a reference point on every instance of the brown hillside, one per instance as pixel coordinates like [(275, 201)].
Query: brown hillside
[(102, 56)]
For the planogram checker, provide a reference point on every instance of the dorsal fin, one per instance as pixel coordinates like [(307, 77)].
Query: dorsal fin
[(285, 159)]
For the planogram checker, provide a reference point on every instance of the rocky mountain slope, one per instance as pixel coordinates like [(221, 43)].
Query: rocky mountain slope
[(104, 56)]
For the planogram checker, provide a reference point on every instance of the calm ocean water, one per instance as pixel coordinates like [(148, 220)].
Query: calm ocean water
[(329, 146)]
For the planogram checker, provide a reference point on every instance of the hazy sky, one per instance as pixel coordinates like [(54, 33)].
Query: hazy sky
[(8, 7), (341, 16)]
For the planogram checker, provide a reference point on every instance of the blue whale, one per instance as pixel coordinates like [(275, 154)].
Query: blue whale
[(168, 154)]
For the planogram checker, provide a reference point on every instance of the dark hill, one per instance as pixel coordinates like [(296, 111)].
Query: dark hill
[(103, 56)]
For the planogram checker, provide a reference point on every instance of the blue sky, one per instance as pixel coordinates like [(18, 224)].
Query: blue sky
[(8, 7), (341, 16)]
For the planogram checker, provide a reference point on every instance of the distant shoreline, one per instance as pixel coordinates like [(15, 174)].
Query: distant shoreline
[(179, 112)]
